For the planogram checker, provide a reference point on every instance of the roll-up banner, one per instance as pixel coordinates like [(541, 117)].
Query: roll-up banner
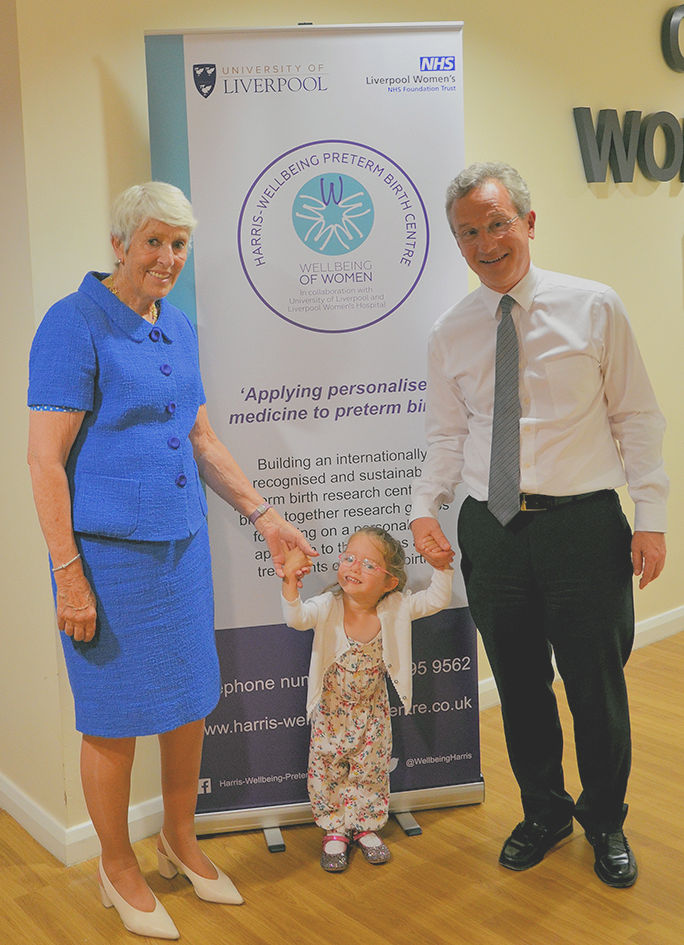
[(317, 159)]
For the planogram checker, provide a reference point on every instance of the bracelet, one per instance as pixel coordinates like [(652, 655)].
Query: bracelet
[(259, 510), (61, 567)]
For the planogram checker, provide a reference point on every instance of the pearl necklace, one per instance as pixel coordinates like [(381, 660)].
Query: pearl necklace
[(151, 315)]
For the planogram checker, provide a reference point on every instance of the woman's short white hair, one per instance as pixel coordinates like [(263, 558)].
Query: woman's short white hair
[(155, 200), (475, 175)]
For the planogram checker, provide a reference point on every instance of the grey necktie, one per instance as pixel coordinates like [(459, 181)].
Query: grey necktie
[(504, 467)]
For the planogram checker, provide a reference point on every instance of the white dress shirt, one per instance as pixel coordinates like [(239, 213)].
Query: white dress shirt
[(589, 417), (325, 613)]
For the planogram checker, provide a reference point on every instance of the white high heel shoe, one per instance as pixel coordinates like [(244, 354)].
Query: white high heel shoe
[(155, 924), (220, 889)]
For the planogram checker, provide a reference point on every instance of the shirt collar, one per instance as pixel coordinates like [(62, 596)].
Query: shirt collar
[(523, 293), (128, 321)]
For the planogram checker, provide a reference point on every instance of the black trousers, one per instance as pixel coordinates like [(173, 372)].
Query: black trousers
[(557, 581)]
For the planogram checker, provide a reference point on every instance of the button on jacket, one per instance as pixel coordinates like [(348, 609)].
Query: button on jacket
[(131, 470), (325, 613)]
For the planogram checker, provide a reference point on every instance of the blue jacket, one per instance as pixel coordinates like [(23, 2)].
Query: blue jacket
[(131, 469)]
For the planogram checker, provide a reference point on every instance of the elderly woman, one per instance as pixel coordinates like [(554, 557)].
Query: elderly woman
[(119, 436)]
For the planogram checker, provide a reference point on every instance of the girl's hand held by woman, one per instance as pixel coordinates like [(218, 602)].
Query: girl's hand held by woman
[(295, 565)]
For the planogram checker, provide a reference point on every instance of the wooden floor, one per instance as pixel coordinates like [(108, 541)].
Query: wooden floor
[(442, 888)]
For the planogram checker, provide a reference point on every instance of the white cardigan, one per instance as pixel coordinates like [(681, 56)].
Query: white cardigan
[(325, 613)]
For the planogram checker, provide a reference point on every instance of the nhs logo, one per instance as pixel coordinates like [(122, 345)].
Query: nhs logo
[(437, 63)]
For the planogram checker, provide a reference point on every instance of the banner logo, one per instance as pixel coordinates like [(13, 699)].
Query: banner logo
[(370, 228), (205, 78), (333, 214), (437, 63)]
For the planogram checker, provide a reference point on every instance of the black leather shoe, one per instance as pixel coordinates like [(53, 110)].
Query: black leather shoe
[(614, 862), (529, 842)]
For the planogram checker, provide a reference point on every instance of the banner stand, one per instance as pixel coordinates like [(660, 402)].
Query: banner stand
[(402, 805), (321, 260), (409, 824)]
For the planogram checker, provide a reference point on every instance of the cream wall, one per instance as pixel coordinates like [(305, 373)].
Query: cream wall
[(74, 87), (29, 670)]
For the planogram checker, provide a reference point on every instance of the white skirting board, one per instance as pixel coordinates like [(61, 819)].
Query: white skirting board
[(74, 844)]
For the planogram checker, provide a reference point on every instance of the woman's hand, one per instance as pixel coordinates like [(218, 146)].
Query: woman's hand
[(76, 608), (295, 566), (281, 537), (296, 563)]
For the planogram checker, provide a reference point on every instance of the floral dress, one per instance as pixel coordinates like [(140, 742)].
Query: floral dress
[(351, 743)]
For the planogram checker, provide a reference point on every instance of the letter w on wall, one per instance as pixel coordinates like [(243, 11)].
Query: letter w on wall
[(608, 144)]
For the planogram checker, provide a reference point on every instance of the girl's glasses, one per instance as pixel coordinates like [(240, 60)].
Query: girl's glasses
[(366, 563)]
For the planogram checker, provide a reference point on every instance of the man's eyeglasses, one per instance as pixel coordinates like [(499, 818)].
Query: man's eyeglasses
[(496, 228), (366, 563)]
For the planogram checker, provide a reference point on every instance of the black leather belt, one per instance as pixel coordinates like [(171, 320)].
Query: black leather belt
[(533, 502)]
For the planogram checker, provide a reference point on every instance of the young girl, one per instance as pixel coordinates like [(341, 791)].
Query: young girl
[(362, 630)]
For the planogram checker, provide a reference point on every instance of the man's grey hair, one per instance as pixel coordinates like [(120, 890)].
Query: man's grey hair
[(476, 175)]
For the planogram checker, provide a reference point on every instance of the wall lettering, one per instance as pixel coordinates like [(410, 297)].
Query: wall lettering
[(622, 146), (669, 38)]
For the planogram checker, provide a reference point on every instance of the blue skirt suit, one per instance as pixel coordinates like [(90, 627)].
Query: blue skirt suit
[(139, 512)]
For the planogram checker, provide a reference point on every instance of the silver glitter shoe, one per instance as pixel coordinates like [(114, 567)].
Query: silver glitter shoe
[(335, 862), (376, 854)]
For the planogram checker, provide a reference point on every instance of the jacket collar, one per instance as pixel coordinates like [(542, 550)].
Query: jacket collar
[(119, 313)]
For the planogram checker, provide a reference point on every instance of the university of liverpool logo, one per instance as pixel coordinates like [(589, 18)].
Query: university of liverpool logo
[(205, 78)]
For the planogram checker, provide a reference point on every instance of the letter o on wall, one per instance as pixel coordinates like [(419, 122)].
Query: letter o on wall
[(669, 38), (674, 146)]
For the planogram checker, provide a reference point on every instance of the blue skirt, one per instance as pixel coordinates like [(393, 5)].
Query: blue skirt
[(152, 665)]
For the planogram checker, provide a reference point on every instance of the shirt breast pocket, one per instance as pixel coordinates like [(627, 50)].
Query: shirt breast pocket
[(574, 385)]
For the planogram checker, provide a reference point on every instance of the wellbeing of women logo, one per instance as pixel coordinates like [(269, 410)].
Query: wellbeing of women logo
[(333, 214), (333, 236)]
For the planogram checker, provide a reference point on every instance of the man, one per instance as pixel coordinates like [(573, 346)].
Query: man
[(548, 563)]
